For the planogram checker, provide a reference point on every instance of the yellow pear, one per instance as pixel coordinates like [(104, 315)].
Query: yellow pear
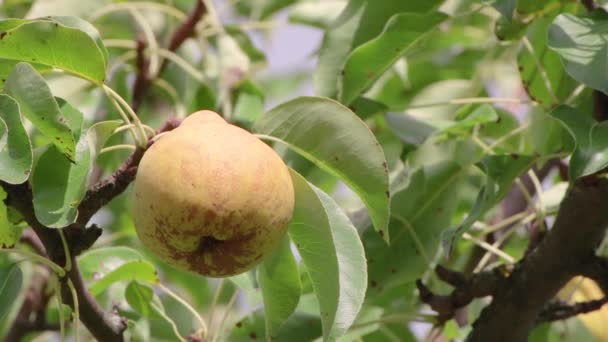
[(211, 198)]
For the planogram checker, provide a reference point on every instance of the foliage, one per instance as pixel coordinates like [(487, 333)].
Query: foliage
[(425, 116)]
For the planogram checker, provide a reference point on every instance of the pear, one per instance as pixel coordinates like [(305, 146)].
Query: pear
[(211, 198)]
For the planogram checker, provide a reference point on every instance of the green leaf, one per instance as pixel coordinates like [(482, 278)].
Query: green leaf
[(16, 155), (318, 13), (280, 283), (534, 78), (582, 42), (333, 254), (415, 131), (7, 65), (99, 133), (249, 102), (504, 7), (38, 105), (11, 281), (408, 128), (370, 60), (261, 9), (422, 209), (59, 185), (360, 21), (139, 270), (299, 327), (97, 263), (9, 233), (336, 140), (367, 314), (243, 40), (143, 300), (68, 43), (500, 171), (591, 141)]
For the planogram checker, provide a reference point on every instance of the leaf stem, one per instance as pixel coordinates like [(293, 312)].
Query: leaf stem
[(490, 248), (76, 311), (153, 67), (116, 7), (118, 147), (200, 319), (35, 257), (57, 287), (225, 316), (151, 132), (142, 142), (471, 100), (396, 318), (66, 250), (180, 110)]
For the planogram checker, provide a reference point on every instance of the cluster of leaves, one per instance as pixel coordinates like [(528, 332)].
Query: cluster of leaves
[(399, 155)]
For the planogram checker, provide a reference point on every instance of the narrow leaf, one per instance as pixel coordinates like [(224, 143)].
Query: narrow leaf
[(370, 60), (333, 255)]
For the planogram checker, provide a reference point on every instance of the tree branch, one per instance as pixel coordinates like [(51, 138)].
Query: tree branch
[(519, 299), (106, 190), (183, 32), (466, 288), (103, 326), (561, 311)]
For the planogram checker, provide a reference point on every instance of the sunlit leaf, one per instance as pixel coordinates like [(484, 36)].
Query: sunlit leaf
[(68, 43), (370, 60), (359, 22), (97, 263), (583, 45), (333, 254), (139, 270), (336, 140)]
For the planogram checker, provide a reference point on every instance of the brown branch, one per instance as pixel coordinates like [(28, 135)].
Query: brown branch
[(142, 80), (31, 315), (589, 5), (578, 230), (596, 269), (561, 311), (106, 190), (103, 326), (466, 288), (183, 32)]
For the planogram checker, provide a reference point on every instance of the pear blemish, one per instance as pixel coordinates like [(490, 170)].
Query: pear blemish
[(221, 198)]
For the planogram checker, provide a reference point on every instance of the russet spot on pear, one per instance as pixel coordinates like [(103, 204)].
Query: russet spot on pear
[(211, 198)]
